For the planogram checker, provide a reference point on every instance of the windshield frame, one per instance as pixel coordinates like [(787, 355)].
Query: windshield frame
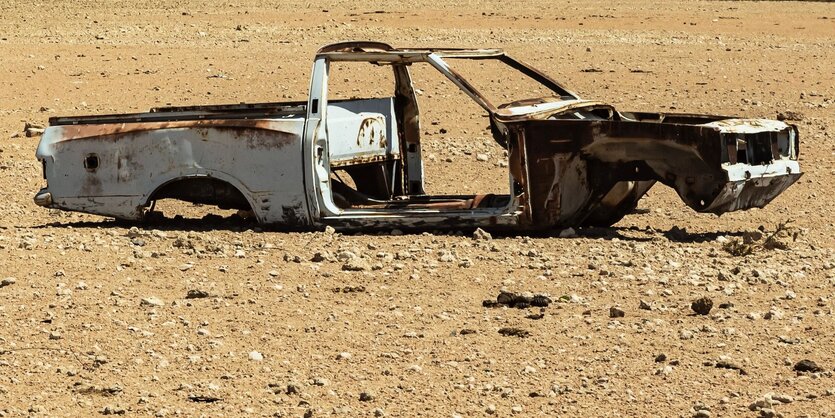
[(435, 57)]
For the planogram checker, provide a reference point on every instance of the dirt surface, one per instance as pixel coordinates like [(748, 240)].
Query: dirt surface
[(218, 318)]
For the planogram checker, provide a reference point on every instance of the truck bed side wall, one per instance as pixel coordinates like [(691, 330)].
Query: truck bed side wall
[(259, 158)]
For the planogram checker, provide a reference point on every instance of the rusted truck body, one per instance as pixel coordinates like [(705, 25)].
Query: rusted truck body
[(571, 162)]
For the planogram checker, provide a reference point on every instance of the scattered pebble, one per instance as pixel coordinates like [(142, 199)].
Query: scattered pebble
[(616, 312), (152, 301), (482, 235), (807, 366), (197, 294), (520, 301), (514, 332), (702, 306)]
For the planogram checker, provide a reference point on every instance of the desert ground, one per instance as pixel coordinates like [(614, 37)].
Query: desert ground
[(205, 318)]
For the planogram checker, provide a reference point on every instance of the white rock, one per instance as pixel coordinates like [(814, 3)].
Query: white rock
[(256, 356), (568, 233), (481, 235), (759, 404), (152, 301)]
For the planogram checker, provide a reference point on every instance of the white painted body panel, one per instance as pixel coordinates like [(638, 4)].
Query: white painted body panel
[(263, 163)]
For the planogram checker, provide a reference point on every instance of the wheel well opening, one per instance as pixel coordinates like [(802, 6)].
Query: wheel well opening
[(200, 191)]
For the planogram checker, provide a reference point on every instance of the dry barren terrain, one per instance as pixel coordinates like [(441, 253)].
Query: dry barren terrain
[(199, 318)]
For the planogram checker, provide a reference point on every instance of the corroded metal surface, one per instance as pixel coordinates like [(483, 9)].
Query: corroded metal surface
[(571, 162)]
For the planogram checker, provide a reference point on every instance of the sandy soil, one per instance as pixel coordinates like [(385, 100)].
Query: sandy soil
[(97, 319)]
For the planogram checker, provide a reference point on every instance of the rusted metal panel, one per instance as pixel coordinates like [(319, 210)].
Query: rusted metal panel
[(259, 158), (573, 164), (362, 131)]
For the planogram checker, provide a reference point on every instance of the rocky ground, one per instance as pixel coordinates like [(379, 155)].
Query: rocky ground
[(220, 318)]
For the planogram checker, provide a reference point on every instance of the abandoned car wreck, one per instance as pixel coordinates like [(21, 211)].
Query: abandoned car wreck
[(357, 163)]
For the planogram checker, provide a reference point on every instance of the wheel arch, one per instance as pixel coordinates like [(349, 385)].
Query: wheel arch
[(158, 189)]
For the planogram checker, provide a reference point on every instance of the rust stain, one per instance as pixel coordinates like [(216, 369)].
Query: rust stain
[(72, 132)]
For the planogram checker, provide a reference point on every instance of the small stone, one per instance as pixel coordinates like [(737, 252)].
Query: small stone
[(568, 233), (774, 313), (759, 404), (491, 409), (482, 157), (112, 410), (702, 413), (702, 306), (782, 398), (343, 356), (321, 381), (378, 412), (55, 335), (514, 332), (726, 363), (8, 281), (256, 356), (616, 312), (789, 115), (355, 264), (366, 397), (644, 305), (685, 334), (481, 235), (660, 358), (506, 298), (197, 294), (540, 301), (152, 301), (516, 409), (767, 413), (807, 366)]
